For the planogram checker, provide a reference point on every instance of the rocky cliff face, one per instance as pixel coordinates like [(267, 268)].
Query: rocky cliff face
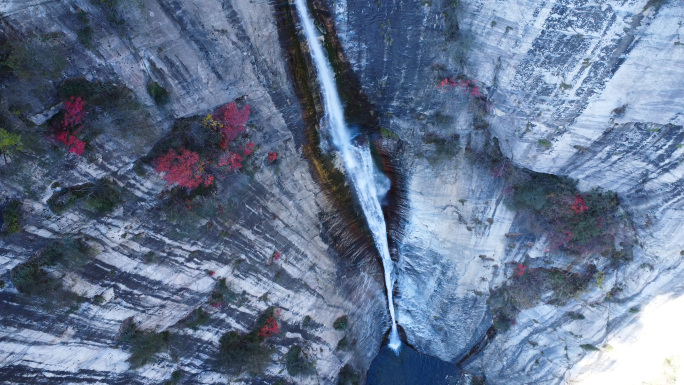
[(158, 261), (584, 89)]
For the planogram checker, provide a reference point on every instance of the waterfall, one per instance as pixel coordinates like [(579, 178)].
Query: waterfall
[(368, 182)]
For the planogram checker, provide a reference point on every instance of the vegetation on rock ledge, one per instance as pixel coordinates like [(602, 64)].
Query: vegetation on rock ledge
[(11, 215), (247, 351), (144, 344), (31, 278)]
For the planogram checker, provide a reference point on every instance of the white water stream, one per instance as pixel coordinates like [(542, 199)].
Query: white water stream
[(370, 184)]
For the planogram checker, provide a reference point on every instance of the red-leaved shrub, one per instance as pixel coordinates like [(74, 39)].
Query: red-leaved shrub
[(269, 329), (184, 169), (230, 121), (71, 125), (231, 159)]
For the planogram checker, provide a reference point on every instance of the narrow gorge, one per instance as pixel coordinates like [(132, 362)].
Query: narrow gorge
[(341, 192)]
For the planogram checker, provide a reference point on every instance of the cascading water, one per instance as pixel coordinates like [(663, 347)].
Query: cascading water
[(370, 184)]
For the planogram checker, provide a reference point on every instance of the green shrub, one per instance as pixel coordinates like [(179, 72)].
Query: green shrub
[(246, 351), (341, 323), (158, 93), (653, 3), (31, 59), (96, 199), (388, 134), (2, 284), (576, 316), (577, 222), (297, 364), (85, 32), (195, 319), (221, 294), (98, 299), (111, 12), (530, 196), (102, 198), (526, 290), (85, 36), (66, 198), (150, 257), (308, 323), (94, 93), (9, 144), (342, 344), (144, 345), (175, 377), (239, 352), (445, 147), (589, 347), (31, 279), (544, 143), (442, 119), (348, 376), (68, 252), (11, 216)]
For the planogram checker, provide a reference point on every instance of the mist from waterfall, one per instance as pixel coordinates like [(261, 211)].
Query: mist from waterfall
[(369, 183)]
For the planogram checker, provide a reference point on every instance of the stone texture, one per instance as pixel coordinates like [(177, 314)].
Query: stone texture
[(205, 53), (554, 71), (530, 59)]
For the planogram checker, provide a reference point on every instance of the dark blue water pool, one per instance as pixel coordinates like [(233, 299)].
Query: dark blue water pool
[(410, 368)]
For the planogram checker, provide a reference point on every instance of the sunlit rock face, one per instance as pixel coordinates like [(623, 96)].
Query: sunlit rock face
[(590, 90), (156, 263)]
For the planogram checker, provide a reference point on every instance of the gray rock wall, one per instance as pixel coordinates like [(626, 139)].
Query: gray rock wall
[(205, 53), (556, 71)]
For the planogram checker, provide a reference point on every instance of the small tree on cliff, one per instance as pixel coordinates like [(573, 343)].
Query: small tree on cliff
[(230, 121), (9, 143), (71, 125), (184, 169)]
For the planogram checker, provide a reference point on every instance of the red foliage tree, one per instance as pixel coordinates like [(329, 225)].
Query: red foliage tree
[(248, 149), (231, 159), (230, 121), (73, 143), (269, 329), (466, 85), (579, 205), (66, 132), (184, 169), (520, 269), (272, 156), (74, 112)]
